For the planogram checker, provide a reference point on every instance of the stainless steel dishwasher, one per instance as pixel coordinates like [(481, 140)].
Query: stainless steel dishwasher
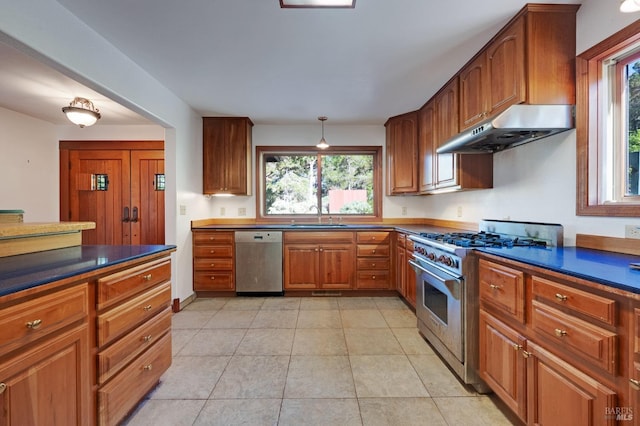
[(259, 263)]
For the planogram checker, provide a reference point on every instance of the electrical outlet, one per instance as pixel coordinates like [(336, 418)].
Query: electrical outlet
[(404, 210), (183, 210), (242, 211), (223, 211), (459, 211), (632, 231)]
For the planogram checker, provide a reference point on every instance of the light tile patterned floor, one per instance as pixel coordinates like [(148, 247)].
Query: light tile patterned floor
[(308, 361)]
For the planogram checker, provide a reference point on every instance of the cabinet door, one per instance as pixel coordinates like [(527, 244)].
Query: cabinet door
[(402, 154), (505, 65), (48, 384), (301, 265), (337, 266), (473, 88), (237, 154), (410, 279), (446, 104), (401, 271), (502, 364), (560, 394), (426, 147), (214, 153), (147, 197)]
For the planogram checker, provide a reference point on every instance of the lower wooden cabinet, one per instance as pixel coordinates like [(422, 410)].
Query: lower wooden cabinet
[(213, 260), (374, 260)]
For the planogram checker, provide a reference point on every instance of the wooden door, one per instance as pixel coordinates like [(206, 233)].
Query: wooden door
[(402, 154), (301, 262), (337, 266), (99, 191), (147, 197), (401, 273), (237, 156), (410, 279), (426, 147), (473, 98), (446, 104), (214, 155), (505, 66)]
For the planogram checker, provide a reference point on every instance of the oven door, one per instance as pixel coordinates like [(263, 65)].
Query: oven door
[(439, 306)]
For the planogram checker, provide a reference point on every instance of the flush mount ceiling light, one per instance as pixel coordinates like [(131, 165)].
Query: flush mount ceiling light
[(348, 4), (629, 6), (323, 143), (82, 112)]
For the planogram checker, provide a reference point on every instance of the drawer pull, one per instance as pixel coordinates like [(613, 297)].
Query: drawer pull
[(3, 387), (147, 367), (147, 277), (561, 297), (373, 265), (560, 333), (526, 354), (635, 383), (146, 308), (373, 251), (213, 278), (213, 264), (212, 251), (517, 347), (146, 338), (34, 324), (495, 287)]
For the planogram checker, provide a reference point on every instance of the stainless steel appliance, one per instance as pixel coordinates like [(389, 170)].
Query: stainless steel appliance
[(258, 263), (447, 286)]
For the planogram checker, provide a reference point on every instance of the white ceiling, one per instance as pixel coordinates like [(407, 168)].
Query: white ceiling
[(251, 58)]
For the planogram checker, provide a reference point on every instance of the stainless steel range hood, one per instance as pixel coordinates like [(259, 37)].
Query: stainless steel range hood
[(515, 126)]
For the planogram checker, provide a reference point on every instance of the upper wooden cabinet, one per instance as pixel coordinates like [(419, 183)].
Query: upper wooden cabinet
[(532, 60), (226, 153), (402, 154)]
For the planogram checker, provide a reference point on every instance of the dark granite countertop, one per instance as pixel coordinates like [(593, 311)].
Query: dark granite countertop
[(31, 270), (608, 268)]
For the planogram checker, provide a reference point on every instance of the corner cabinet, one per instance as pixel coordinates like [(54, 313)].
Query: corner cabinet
[(402, 154), (226, 153)]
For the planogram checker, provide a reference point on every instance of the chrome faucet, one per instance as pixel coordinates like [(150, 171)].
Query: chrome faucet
[(319, 212)]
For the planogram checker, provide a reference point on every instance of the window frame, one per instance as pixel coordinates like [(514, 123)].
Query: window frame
[(591, 124), (376, 151)]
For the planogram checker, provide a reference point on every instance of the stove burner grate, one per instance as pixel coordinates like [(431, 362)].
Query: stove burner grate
[(482, 239)]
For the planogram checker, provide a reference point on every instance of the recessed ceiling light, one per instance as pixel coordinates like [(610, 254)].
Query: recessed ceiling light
[(318, 3)]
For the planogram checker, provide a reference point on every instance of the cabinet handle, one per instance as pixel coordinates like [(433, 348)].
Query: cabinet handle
[(373, 265), (635, 383), (517, 347), (3, 387), (495, 287), (147, 277), (213, 264), (146, 308), (526, 354), (34, 324), (146, 338), (147, 367), (561, 297), (316, 249), (212, 251), (373, 277), (373, 251), (213, 278), (320, 248), (560, 333)]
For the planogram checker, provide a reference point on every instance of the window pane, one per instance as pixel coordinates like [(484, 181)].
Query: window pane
[(632, 150), (290, 184), (347, 184)]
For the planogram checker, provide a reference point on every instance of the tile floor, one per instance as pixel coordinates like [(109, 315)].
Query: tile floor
[(308, 361)]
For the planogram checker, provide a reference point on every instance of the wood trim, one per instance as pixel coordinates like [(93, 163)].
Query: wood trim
[(588, 81), (111, 144), (619, 245)]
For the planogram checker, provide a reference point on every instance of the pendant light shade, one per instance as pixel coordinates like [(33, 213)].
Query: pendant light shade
[(323, 143), (629, 6), (82, 112)]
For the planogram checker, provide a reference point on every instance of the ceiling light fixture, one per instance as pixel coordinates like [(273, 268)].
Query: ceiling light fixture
[(82, 112), (323, 143), (629, 6), (340, 4)]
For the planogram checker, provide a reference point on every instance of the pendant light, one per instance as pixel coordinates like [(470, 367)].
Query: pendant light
[(323, 143), (629, 6), (82, 112)]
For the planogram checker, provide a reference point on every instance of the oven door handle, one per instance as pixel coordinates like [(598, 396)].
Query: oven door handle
[(450, 287)]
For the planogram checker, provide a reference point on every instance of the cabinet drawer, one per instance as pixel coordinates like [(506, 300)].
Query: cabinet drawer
[(580, 337), (213, 281), (213, 251), (594, 306), (217, 264), (373, 250), (125, 284), (28, 321), (120, 395), (373, 264), (373, 237), (503, 288), (373, 279), (213, 238), (116, 356), (124, 317)]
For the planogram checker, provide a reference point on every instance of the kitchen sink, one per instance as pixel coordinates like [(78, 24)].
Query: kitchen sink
[(318, 225)]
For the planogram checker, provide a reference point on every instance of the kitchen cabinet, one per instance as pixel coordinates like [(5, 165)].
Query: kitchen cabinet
[(402, 154), (426, 148), (405, 275), (550, 348), (634, 366), (374, 260), (446, 126), (45, 359), (319, 260), (226, 152), (410, 275), (213, 260), (117, 185)]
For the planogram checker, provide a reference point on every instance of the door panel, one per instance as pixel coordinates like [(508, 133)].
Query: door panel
[(146, 198)]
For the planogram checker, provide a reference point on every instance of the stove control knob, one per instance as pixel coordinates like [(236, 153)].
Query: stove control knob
[(431, 256), (446, 260)]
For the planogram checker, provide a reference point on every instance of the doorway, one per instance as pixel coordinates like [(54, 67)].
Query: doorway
[(119, 185)]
